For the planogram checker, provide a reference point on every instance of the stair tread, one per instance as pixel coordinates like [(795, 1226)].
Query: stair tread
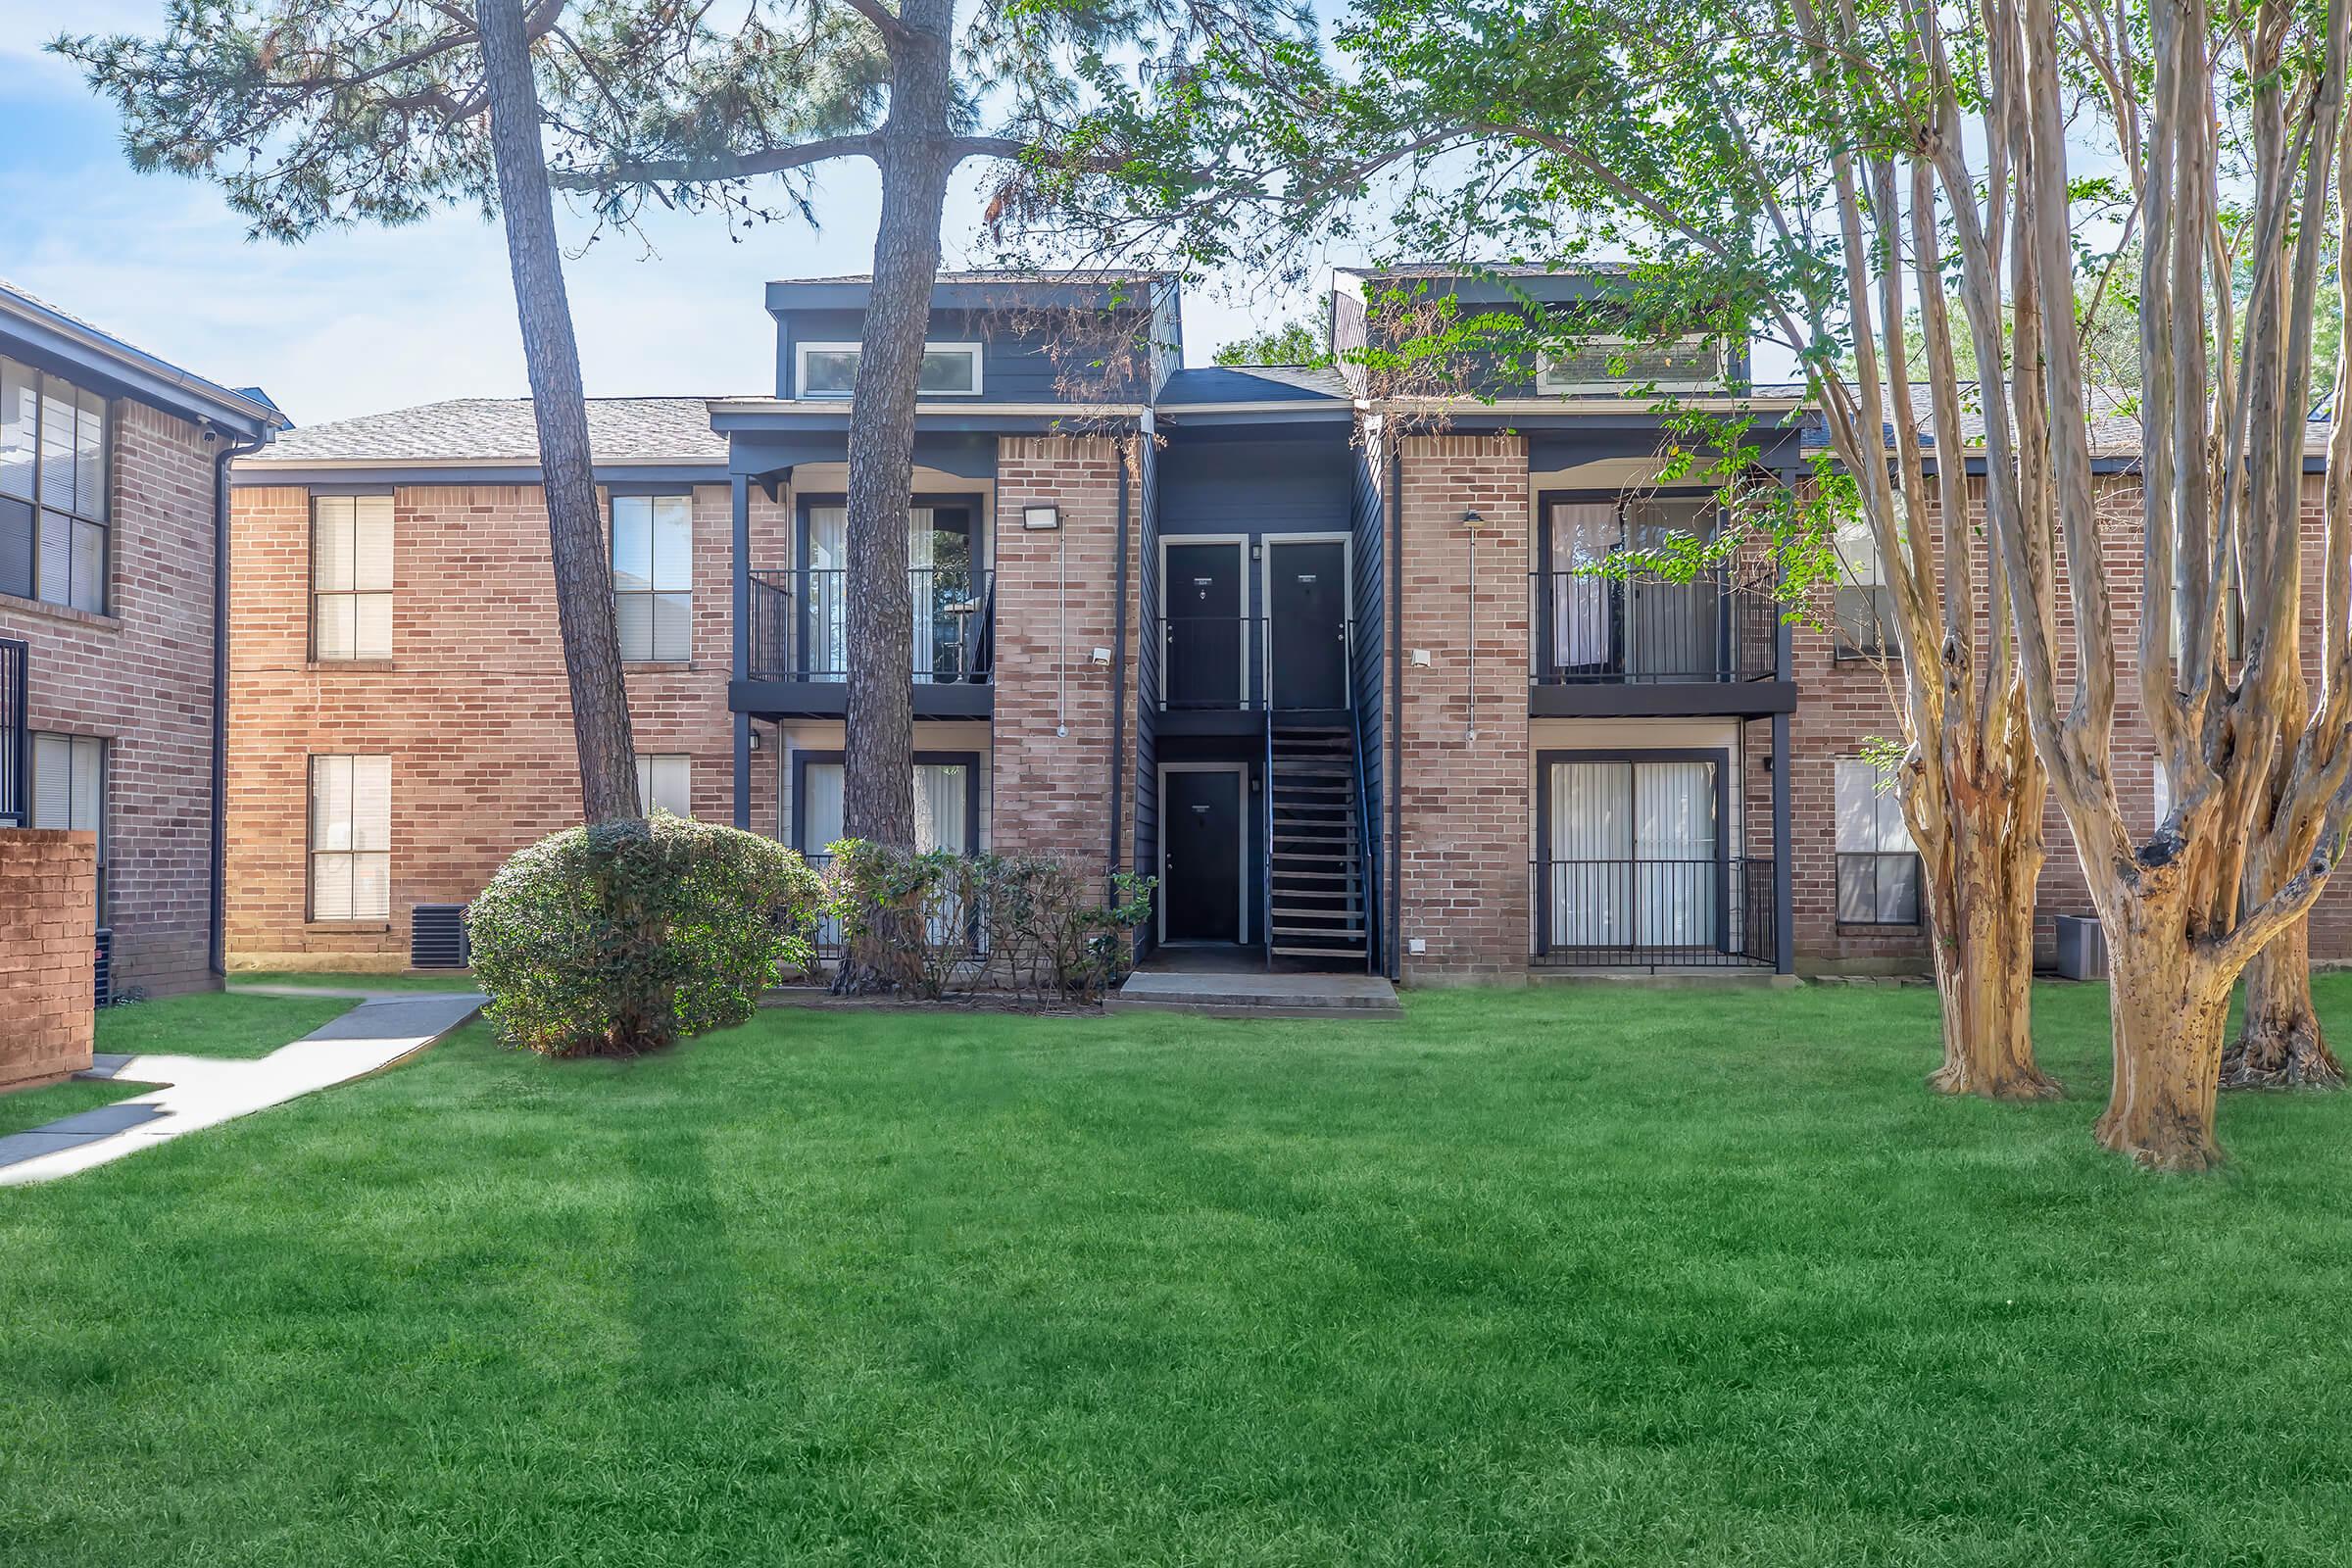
[(1282, 952)]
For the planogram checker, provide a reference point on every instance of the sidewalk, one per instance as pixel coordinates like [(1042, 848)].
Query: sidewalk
[(206, 1090)]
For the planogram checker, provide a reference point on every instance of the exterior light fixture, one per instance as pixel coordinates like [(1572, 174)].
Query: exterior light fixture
[(1471, 518), (1040, 518)]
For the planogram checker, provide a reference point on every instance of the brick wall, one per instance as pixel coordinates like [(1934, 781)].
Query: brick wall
[(472, 707), (1466, 822), (1056, 601), (141, 676), (48, 896)]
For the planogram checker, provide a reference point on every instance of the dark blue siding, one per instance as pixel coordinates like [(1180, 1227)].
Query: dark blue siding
[(1147, 654), (1370, 672), (1017, 363)]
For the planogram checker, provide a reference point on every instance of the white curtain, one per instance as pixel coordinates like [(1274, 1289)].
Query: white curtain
[(1591, 840), (1583, 609), (924, 583), (827, 623), (1674, 840)]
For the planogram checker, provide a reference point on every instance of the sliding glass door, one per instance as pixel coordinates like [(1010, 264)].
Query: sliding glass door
[(1631, 852)]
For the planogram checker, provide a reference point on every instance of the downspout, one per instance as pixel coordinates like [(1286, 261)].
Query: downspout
[(1396, 770), (217, 870), (1118, 686)]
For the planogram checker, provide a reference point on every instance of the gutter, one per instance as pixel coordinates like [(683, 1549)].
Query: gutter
[(1118, 682), (216, 910)]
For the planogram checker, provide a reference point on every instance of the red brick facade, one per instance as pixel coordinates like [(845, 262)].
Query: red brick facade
[(1467, 815), (472, 709), (48, 902), (140, 676)]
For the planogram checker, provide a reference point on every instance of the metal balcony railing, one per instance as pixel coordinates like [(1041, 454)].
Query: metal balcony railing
[(15, 805), (1591, 629), (1652, 914), (800, 624)]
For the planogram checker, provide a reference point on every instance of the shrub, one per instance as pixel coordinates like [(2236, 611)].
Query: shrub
[(619, 939), (953, 924)]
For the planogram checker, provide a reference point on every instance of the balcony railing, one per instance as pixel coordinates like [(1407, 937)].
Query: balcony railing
[(1652, 914), (800, 624), (1591, 630)]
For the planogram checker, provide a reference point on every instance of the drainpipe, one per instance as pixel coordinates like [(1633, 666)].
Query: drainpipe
[(216, 869), (1396, 779), (1118, 685)]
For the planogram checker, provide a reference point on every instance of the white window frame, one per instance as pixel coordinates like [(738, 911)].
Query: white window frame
[(349, 599), (1549, 381), (646, 767), (1888, 846), (801, 350), (75, 748), (55, 566), (651, 594), (352, 850)]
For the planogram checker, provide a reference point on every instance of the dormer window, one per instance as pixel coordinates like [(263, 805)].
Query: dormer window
[(1613, 364), (830, 370)]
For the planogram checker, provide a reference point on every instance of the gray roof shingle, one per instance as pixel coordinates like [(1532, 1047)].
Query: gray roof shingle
[(500, 430)]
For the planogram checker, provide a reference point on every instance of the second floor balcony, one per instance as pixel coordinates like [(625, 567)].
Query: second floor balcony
[(1604, 644), (799, 639)]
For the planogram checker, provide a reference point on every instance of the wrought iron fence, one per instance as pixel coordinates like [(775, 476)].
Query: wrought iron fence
[(800, 624), (1591, 629), (1652, 914)]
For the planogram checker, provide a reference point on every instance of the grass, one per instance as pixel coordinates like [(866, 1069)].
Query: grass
[(1596, 1277), (21, 1109), (212, 1024), (309, 980)]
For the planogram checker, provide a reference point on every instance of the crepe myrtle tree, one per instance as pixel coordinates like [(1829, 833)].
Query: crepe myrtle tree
[(1767, 177), (319, 114), (736, 120)]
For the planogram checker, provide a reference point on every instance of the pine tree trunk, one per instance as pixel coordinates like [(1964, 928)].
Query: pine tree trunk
[(583, 566), (2169, 1010), (878, 752), (1984, 944), (2280, 1045)]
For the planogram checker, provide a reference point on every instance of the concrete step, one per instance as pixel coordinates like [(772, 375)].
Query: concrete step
[(1259, 995)]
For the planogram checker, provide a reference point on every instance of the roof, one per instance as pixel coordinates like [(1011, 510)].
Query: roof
[(93, 351), (500, 430), (1253, 383)]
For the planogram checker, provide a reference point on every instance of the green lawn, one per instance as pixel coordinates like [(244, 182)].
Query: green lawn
[(211, 1024), (1599, 1277), (21, 1109)]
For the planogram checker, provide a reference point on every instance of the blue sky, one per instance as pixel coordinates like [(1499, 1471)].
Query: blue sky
[(373, 318)]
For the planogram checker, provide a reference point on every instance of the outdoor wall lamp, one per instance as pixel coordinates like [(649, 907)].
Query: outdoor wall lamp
[(1041, 516)]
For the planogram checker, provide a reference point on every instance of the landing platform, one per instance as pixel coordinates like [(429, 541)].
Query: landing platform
[(1259, 995)]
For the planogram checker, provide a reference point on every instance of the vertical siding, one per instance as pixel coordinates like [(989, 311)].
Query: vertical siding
[(1369, 674)]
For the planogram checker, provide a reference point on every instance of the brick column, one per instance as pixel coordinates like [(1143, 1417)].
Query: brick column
[(1467, 826), (1056, 601), (48, 945)]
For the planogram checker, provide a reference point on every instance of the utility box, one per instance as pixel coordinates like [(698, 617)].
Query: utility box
[(2081, 948)]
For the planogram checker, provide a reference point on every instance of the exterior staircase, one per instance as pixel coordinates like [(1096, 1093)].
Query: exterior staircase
[(1316, 908)]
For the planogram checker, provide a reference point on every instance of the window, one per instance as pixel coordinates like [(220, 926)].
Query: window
[(351, 838), (1604, 363), (666, 784), (68, 788), (652, 577), (1864, 604), (1878, 870), (945, 813), (53, 512), (830, 370), (351, 577)]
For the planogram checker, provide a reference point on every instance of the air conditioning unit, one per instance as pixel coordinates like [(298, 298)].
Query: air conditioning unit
[(2082, 947), (106, 964), (437, 937)]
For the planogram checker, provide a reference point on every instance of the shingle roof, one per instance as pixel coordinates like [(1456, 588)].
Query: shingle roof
[(500, 430), (248, 401)]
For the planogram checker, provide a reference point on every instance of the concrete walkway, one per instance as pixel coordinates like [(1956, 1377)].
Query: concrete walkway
[(206, 1090)]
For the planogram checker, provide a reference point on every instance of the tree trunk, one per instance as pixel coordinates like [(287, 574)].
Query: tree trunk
[(2280, 1045), (878, 752), (583, 564), (2169, 1008), (1983, 945)]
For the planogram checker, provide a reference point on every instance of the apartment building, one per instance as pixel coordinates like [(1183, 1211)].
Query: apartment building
[(112, 487), (1323, 659)]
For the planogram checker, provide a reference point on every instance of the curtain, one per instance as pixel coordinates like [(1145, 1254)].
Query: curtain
[(1592, 841), (827, 621), (1671, 628), (1584, 617), (1634, 854), (924, 584), (1674, 840)]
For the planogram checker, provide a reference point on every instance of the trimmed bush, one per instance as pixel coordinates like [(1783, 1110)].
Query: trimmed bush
[(619, 939), (956, 924)]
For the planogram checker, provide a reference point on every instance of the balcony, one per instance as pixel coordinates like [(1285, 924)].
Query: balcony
[(798, 661), (1643, 645), (1653, 914)]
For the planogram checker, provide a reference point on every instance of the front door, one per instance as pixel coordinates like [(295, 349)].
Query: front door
[(1201, 592), (1306, 612), (1201, 855)]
